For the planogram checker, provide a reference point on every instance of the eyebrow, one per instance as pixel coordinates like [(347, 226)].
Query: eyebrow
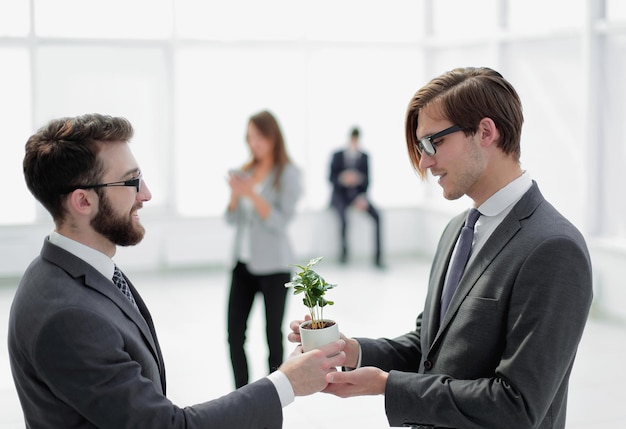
[(425, 135), (131, 172)]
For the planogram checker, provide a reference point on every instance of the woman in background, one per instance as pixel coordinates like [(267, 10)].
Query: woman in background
[(263, 199)]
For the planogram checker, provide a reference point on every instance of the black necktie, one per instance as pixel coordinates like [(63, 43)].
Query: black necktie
[(120, 282), (457, 266)]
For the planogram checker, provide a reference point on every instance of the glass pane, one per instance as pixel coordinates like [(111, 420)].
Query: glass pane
[(528, 16), (369, 88), (346, 20), (116, 81), (464, 19), (14, 18), (316, 97), (364, 20), (216, 92), (15, 111), (616, 10), (548, 76), (614, 155), (104, 19), (239, 19)]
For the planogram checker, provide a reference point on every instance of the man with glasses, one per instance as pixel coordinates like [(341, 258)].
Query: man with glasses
[(496, 340), (82, 345)]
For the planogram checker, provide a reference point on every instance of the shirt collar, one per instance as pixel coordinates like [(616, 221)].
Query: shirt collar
[(506, 196), (96, 259)]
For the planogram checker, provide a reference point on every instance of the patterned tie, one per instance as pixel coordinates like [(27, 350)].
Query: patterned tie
[(120, 282), (457, 266)]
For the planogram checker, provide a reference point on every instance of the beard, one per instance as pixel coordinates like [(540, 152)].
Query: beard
[(122, 231)]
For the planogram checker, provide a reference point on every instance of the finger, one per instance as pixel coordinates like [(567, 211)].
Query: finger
[(335, 388), (338, 377), (338, 360), (294, 338), (333, 348), (295, 325)]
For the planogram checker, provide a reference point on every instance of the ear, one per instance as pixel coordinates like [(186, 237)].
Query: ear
[(488, 132), (82, 202)]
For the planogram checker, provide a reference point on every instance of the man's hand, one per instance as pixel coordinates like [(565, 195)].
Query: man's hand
[(360, 203), (350, 178), (294, 335), (363, 381), (307, 371)]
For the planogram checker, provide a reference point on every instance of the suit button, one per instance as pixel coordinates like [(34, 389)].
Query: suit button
[(428, 364)]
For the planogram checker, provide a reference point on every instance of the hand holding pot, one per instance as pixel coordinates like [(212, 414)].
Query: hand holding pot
[(351, 349), (307, 371), (294, 335), (368, 380)]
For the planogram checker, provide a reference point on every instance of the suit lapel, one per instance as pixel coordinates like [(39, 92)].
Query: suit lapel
[(93, 279), (438, 275), (152, 338), (494, 245)]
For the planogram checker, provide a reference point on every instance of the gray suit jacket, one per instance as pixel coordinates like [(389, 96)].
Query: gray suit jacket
[(83, 357), (503, 354), (270, 249)]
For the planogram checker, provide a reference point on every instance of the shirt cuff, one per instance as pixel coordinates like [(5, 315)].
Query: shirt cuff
[(358, 362), (283, 387)]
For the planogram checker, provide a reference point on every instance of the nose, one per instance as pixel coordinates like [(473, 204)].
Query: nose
[(144, 193), (426, 161)]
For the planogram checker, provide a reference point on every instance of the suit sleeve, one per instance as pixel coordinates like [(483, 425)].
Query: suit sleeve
[(365, 170), (85, 361), (335, 169), (545, 317), (401, 353)]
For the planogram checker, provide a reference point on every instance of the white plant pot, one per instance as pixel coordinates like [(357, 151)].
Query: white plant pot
[(316, 338)]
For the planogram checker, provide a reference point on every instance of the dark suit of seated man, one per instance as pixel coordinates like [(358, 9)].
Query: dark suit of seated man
[(82, 345), (349, 175)]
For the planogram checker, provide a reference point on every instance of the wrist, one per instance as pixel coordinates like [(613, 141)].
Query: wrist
[(382, 382), (353, 353)]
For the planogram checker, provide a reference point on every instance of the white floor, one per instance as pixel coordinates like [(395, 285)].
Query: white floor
[(189, 312)]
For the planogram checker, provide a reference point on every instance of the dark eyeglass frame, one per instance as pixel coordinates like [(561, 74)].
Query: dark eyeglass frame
[(134, 182), (425, 144)]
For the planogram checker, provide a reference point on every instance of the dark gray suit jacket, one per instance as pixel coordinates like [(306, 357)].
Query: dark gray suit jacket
[(83, 357), (503, 354)]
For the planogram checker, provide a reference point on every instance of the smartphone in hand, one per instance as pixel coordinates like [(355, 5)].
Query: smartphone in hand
[(238, 173)]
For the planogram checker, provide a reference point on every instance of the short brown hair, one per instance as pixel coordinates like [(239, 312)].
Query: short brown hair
[(64, 153), (465, 96)]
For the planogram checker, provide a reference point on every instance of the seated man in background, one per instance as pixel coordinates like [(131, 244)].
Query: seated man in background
[(349, 175)]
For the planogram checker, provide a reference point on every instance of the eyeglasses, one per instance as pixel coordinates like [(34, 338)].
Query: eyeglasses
[(134, 182), (425, 144)]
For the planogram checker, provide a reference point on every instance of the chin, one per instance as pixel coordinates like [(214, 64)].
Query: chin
[(451, 196)]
